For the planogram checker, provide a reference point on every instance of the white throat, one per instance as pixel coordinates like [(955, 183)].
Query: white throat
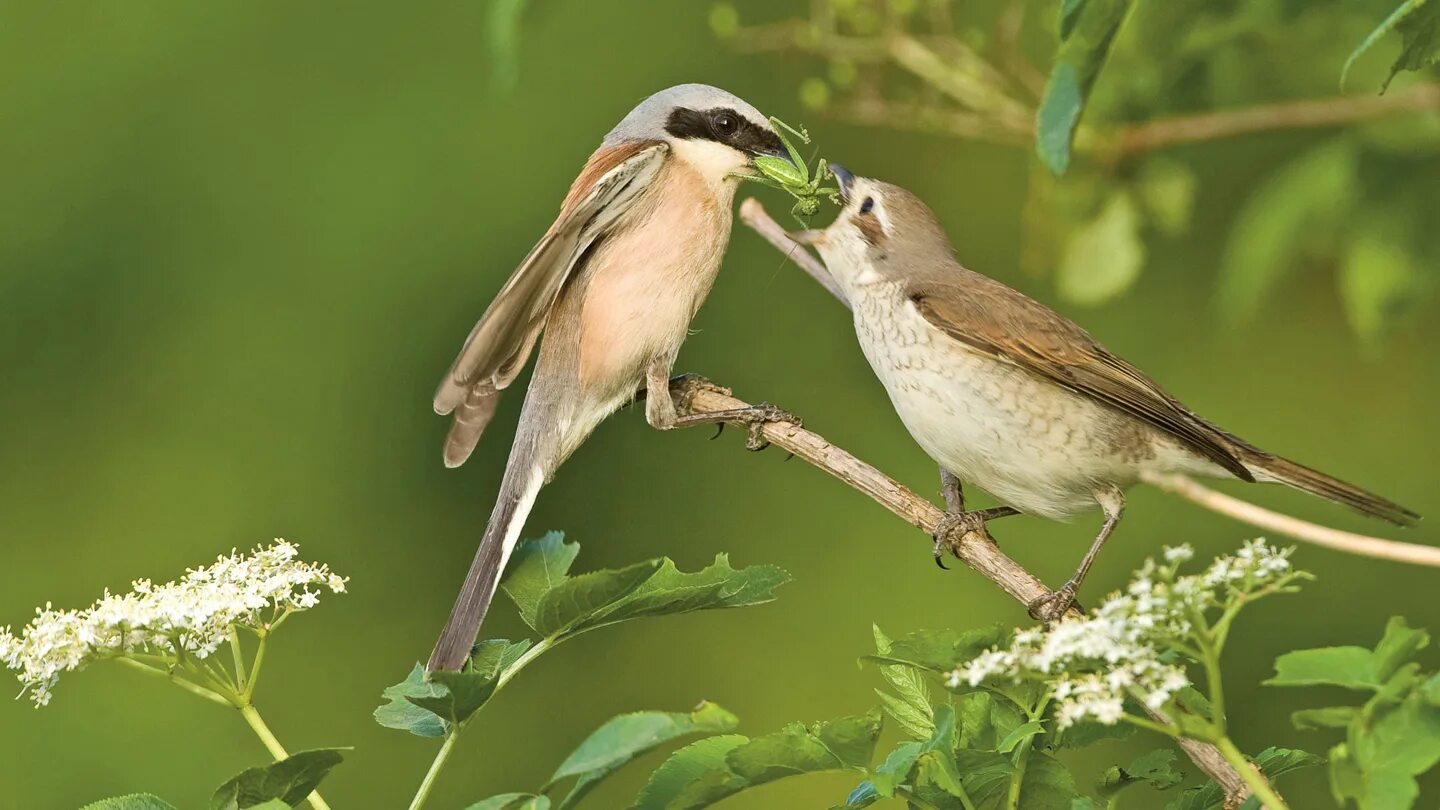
[(714, 162)]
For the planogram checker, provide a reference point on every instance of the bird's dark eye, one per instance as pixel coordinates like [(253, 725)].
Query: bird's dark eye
[(868, 205), (725, 124)]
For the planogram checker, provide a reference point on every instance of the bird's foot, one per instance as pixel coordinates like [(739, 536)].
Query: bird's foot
[(1054, 605), (953, 527), (756, 417), (684, 387)]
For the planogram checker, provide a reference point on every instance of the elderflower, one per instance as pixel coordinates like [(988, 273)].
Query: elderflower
[(191, 617), (1123, 650)]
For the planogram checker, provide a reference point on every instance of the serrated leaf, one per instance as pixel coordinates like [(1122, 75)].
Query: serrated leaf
[(133, 801), (985, 719), (465, 692), (1273, 763), (1297, 209), (1086, 733), (1399, 742), (1418, 22), (863, 795), (623, 738), (941, 650), (535, 567), (683, 770), (653, 588), (1046, 784), (897, 767), (1090, 28), (1155, 768), (399, 713), (290, 780), (1350, 667), (1329, 717), (512, 801), (1104, 256)]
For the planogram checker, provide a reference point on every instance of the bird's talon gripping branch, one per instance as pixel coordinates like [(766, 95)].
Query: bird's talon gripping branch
[(952, 529), (756, 417), (1054, 605), (684, 387)]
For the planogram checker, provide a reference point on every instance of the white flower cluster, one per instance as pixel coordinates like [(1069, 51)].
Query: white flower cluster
[(1094, 663), (190, 617)]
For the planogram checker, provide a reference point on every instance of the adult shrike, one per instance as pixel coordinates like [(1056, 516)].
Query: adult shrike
[(613, 284)]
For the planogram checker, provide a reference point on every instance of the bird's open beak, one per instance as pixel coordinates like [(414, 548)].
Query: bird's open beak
[(845, 179)]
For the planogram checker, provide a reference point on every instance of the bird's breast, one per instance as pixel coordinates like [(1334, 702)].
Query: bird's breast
[(1030, 443), (647, 280)]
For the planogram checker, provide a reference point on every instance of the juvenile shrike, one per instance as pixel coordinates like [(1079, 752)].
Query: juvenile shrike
[(614, 284), (1004, 392)]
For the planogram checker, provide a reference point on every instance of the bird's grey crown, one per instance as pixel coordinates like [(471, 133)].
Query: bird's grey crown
[(647, 120)]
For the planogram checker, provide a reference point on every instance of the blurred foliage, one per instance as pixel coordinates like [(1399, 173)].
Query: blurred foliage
[(1132, 87)]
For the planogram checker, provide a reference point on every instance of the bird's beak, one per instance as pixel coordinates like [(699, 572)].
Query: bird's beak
[(845, 178)]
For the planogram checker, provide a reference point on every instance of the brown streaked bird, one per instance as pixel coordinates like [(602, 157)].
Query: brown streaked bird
[(613, 284), (1004, 392)]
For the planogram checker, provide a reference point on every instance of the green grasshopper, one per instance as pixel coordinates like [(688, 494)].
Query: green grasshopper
[(793, 176)]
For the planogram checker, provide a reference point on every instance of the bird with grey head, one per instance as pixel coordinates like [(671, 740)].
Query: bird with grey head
[(613, 284), (1005, 393)]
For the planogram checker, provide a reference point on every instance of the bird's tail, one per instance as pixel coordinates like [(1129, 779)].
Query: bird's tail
[(523, 479), (1284, 471)]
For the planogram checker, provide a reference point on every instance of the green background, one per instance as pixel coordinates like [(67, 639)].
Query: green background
[(241, 241)]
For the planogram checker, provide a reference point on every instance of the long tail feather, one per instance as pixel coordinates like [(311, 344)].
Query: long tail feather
[(469, 422), (522, 483), (1284, 471)]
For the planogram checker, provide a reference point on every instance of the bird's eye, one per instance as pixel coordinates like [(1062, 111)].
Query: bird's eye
[(725, 123), (868, 205)]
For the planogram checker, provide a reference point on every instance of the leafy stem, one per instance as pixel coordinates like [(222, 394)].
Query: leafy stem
[(1258, 785)]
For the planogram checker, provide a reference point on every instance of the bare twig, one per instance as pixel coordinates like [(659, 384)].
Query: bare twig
[(976, 549), (1246, 512), (1305, 114)]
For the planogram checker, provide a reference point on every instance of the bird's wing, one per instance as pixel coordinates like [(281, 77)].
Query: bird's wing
[(1005, 324), (500, 343)]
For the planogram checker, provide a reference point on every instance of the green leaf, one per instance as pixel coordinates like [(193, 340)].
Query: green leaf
[(134, 801), (1273, 763), (1046, 785), (863, 795), (1298, 209), (986, 719), (467, 691), (941, 650), (1399, 646), (901, 762), (399, 713), (1104, 256), (623, 738), (693, 777), (1329, 717), (1399, 742), (1087, 733), (1350, 667), (1088, 29), (652, 588), (910, 705), (1018, 734), (290, 780), (684, 769), (512, 801), (535, 567), (1418, 22)]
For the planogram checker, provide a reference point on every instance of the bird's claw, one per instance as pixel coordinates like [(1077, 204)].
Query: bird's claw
[(684, 387), (1054, 605), (757, 417), (951, 531)]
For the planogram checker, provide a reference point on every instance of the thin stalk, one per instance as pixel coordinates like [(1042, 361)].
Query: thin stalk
[(1253, 780), (277, 751), (241, 676), (428, 783), (192, 688), (254, 676), (1022, 758), (1217, 690)]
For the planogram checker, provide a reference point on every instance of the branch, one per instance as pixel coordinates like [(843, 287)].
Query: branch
[(1350, 542), (1303, 114), (976, 549)]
